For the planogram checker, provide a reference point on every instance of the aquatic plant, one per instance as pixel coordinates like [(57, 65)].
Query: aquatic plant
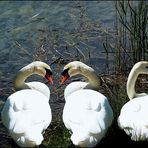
[(132, 32)]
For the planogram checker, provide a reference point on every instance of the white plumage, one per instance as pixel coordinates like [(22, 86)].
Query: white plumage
[(87, 113), (26, 113), (133, 116)]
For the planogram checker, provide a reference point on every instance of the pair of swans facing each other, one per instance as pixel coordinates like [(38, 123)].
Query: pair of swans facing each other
[(27, 113), (133, 115)]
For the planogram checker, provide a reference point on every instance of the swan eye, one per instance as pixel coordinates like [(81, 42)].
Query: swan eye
[(48, 75), (48, 71), (65, 72), (65, 75), (146, 67)]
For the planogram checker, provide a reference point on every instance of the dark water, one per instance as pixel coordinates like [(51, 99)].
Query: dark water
[(27, 25)]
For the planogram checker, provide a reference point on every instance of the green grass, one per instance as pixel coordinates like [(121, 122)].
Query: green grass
[(57, 135)]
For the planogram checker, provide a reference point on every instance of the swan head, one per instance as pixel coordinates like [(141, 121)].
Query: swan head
[(74, 68), (42, 69), (141, 66), (36, 67)]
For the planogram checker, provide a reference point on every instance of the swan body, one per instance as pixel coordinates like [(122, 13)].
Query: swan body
[(26, 113), (87, 113), (133, 115)]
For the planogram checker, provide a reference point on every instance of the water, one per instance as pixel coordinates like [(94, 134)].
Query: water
[(26, 25), (29, 22), (47, 30)]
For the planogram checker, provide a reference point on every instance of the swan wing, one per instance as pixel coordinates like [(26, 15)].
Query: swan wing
[(22, 109), (40, 87), (73, 87)]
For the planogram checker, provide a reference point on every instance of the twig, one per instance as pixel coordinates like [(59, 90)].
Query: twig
[(78, 49), (22, 48), (106, 85)]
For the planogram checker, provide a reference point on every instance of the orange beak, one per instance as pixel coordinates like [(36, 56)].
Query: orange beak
[(49, 78), (65, 77)]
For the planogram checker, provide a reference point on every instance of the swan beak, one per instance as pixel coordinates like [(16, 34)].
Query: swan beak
[(64, 78), (49, 78)]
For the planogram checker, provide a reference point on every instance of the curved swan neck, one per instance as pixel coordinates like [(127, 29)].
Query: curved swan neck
[(90, 74), (131, 84), (23, 74), (139, 68)]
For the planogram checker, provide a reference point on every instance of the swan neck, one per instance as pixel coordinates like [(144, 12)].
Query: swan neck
[(131, 83), (23, 74), (93, 79)]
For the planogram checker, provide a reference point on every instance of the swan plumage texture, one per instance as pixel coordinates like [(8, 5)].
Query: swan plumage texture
[(26, 113), (133, 115), (87, 113)]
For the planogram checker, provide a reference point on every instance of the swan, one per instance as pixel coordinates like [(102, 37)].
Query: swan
[(133, 115), (26, 113), (87, 113)]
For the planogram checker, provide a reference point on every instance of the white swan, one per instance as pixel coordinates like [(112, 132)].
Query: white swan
[(87, 113), (26, 113), (133, 117)]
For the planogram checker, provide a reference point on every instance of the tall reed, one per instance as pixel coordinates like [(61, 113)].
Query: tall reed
[(131, 29)]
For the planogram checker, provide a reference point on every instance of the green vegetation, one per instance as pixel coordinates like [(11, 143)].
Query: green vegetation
[(57, 135), (131, 29)]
